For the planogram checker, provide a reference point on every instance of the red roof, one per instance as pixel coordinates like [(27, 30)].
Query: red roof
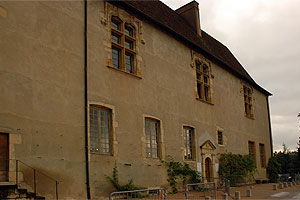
[(170, 21)]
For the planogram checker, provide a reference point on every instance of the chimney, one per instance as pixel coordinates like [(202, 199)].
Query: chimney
[(190, 12)]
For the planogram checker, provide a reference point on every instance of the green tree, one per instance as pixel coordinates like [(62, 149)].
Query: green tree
[(236, 167), (289, 161), (273, 169)]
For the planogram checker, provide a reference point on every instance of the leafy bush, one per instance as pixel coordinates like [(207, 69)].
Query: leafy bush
[(115, 181), (236, 167), (273, 169), (178, 170)]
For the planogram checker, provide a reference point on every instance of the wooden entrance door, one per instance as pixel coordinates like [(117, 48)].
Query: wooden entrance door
[(3, 157), (208, 169)]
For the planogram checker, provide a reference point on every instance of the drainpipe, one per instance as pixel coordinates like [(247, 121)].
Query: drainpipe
[(88, 190), (270, 128)]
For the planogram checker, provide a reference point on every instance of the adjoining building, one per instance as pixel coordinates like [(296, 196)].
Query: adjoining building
[(142, 82)]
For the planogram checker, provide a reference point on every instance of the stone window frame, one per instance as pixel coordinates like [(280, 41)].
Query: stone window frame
[(248, 100), (154, 148), (262, 155), (161, 145), (129, 19), (193, 145), (254, 151), (197, 58), (113, 124), (220, 136), (219, 129), (125, 44)]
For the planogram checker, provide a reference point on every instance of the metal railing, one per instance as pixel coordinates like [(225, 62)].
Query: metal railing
[(34, 181), (200, 190), (153, 193), (240, 180)]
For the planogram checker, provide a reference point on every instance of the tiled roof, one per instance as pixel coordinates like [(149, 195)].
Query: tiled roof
[(163, 16)]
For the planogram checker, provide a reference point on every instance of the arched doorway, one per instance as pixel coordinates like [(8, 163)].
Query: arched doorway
[(208, 170)]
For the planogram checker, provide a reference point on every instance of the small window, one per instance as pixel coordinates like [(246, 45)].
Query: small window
[(220, 138), (123, 46), (152, 128), (129, 30), (203, 82), (251, 147), (116, 57), (248, 103), (262, 153), (189, 143), (116, 39), (100, 130), (129, 62), (116, 23)]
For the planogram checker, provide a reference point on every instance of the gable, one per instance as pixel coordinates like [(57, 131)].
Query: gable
[(208, 145)]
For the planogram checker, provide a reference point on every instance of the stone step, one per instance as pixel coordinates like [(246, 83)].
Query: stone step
[(11, 192)]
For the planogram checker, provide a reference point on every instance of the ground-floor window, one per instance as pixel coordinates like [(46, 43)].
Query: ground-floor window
[(100, 130), (152, 128)]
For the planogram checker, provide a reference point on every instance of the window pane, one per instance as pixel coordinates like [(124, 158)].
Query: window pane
[(205, 69), (197, 66), (251, 150), (94, 131), (151, 131), (220, 137), (116, 39), (206, 93), (206, 79), (198, 76), (116, 57), (128, 44), (188, 135), (104, 132), (116, 25), (129, 62), (262, 155), (199, 88), (128, 31), (99, 130)]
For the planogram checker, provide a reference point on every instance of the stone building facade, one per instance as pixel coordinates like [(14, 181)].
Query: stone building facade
[(156, 85)]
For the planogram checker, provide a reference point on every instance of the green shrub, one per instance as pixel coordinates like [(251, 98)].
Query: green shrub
[(236, 167), (178, 170), (273, 169), (115, 181)]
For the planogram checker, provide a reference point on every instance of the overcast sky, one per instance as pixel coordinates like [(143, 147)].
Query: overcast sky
[(264, 35)]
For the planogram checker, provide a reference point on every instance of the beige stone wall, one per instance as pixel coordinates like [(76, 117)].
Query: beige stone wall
[(42, 97), (41, 84)]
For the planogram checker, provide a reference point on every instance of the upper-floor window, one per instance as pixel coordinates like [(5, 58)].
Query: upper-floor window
[(100, 130), (203, 81), (248, 101), (152, 131), (189, 143), (262, 153), (123, 45), (220, 138), (251, 148)]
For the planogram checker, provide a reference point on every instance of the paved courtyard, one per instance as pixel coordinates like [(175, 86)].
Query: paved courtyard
[(259, 191)]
